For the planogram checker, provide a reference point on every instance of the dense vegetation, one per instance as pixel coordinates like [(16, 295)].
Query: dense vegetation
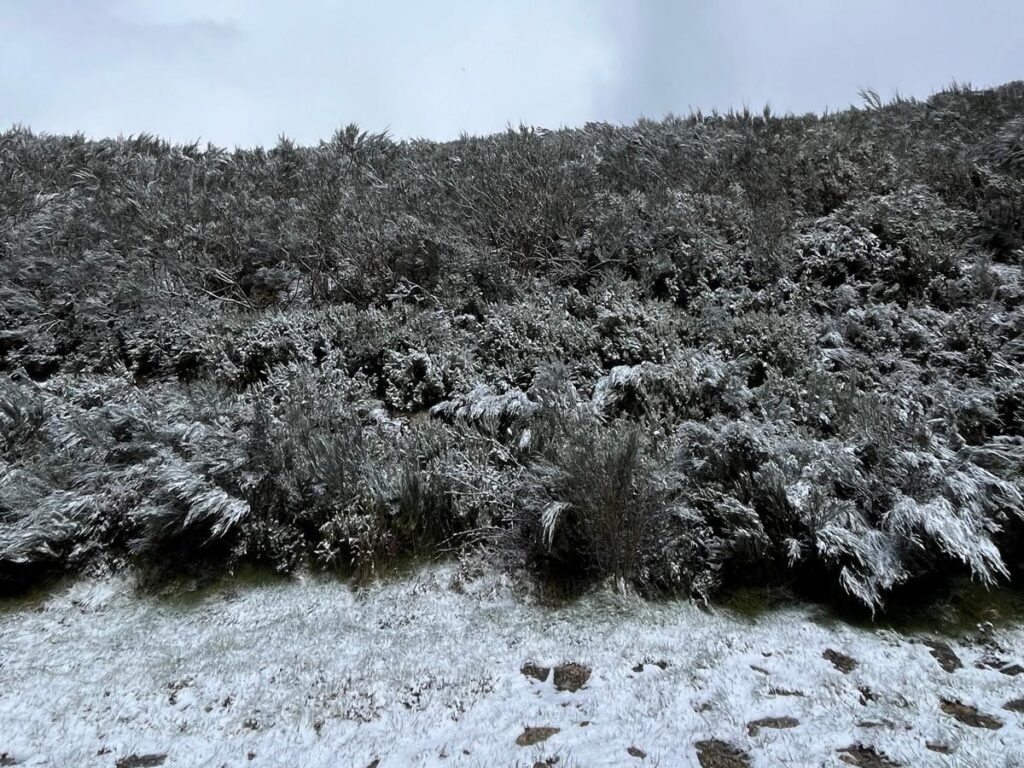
[(679, 355)]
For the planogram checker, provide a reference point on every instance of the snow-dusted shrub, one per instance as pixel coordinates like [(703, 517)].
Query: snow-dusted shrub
[(22, 416), (923, 235), (487, 410), (516, 337), (691, 385), (414, 380), (182, 502), (832, 253), (631, 329), (595, 504)]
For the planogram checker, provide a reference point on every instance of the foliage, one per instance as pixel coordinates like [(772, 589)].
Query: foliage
[(674, 356)]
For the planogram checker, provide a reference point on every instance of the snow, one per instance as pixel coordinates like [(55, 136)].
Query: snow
[(411, 672)]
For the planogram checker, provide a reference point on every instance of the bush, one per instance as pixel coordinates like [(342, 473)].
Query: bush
[(673, 356)]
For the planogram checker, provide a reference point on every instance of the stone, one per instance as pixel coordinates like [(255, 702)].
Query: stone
[(1014, 705), (141, 761), (840, 661), (536, 672), (531, 735), (945, 655), (969, 715), (714, 753), (571, 677), (755, 726), (864, 756)]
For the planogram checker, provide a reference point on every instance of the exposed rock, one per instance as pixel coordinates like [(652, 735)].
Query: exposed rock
[(141, 761), (840, 661), (992, 661), (942, 749), (875, 724), (755, 726), (866, 695), (969, 715), (537, 673), (660, 664), (865, 757), (1014, 705), (531, 736), (945, 655), (7, 759), (784, 692), (571, 677), (713, 753), (636, 752)]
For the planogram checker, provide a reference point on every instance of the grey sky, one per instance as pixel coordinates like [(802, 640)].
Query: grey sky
[(242, 72)]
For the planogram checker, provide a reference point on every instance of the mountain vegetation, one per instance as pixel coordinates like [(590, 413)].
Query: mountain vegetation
[(677, 356)]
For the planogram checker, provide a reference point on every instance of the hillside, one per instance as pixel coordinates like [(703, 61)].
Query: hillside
[(678, 356)]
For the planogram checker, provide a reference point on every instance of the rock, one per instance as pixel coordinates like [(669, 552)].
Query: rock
[(875, 724), (571, 677), (531, 736), (141, 761), (1014, 705), (992, 661), (713, 753), (842, 662), (945, 655), (537, 673), (755, 726), (374, 763), (636, 752), (866, 695), (865, 757), (942, 749), (969, 715), (7, 759), (784, 692)]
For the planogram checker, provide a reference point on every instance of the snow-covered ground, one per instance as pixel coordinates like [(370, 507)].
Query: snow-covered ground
[(414, 673)]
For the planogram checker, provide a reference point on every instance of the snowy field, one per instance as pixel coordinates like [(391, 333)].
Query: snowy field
[(416, 673)]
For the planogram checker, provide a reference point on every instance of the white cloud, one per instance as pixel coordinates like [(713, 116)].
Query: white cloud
[(245, 71)]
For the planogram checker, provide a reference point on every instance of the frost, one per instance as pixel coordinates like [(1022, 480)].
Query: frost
[(280, 669)]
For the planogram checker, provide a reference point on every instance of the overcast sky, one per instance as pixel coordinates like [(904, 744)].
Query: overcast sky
[(243, 72)]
